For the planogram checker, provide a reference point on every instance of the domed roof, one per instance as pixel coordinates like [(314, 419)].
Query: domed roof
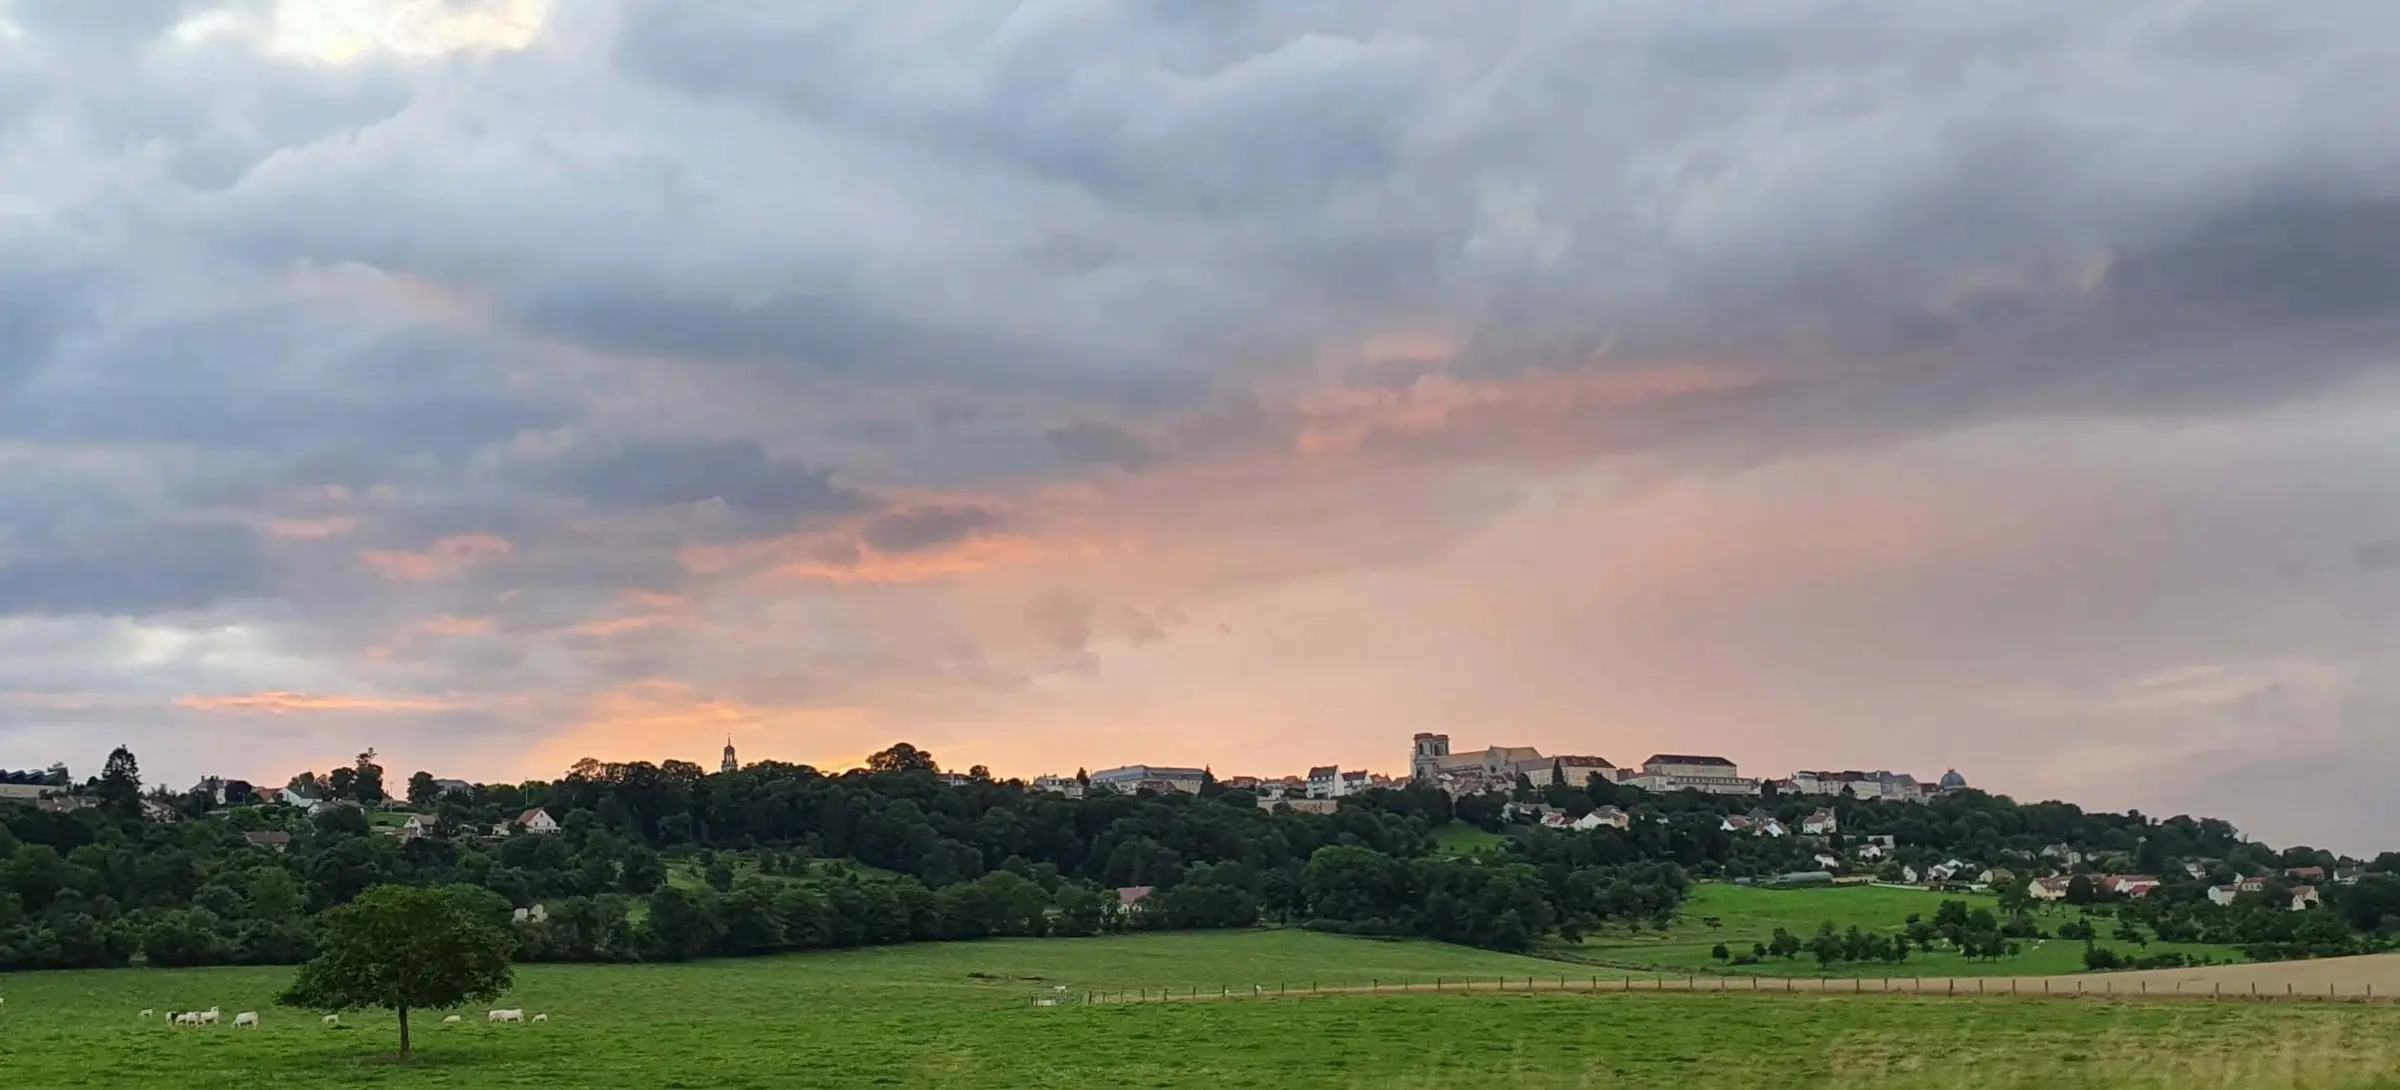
[(1952, 781)]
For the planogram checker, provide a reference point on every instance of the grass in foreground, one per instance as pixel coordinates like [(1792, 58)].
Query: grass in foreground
[(958, 1016), (1748, 914)]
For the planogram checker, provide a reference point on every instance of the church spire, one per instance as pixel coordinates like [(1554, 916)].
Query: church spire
[(728, 764)]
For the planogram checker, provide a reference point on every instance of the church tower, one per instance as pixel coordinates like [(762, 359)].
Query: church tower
[(728, 764)]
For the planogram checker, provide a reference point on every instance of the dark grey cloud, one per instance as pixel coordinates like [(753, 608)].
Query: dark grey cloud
[(661, 473), (135, 570), (916, 528)]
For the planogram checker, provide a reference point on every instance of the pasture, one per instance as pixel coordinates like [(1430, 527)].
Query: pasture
[(1748, 914), (959, 1015)]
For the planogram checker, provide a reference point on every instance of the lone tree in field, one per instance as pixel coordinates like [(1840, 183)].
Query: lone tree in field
[(400, 948)]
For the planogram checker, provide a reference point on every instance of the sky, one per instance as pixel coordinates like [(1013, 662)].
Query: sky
[(2004, 386)]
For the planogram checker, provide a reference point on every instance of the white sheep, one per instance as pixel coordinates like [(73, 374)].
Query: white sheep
[(209, 1017), (246, 1018), (450, 1021), (188, 1018), (333, 1019), (541, 1018), (145, 1013), (508, 1016)]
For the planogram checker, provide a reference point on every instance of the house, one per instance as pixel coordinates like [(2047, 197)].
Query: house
[(1737, 823), (271, 839), (419, 825), (2305, 874), (1557, 819), (154, 810), (1611, 816), (1130, 778), (1828, 862), (2221, 896), (1059, 785), (64, 804), (1908, 874), (2048, 889), (2348, 876), (537, 821), (2126, 885), (1325, 782), (303, 799), (1133, 898), (1872, 850), (1537, 811), (536, 914), (453, 787), (2305, 897), (1996, 876), (2249, 885), (2195, 870), (1355, 783), (1946, 870), (952, 779), (1821, 823)]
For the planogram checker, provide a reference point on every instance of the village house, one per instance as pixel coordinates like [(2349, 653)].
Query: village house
[(1821, 823), (1059, 785), (1610, 816), (2305, 897), (272, 839), (2305, 874), (419, 825), (2048, 889), (2222, 896), (2065, 856), (2348, 876), (1133, 899), (2126, 885)]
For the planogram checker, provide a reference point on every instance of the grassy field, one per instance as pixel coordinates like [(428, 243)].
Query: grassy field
[(1748, 915), (958, 1016), (1460, 838)]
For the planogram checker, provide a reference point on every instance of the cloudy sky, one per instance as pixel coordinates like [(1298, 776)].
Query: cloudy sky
[(2005, 386)]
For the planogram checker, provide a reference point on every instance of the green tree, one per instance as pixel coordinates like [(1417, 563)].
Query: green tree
[(401, 949), (1719, 952), (421, 791), (366, 780), (902, 758), (121, 781)]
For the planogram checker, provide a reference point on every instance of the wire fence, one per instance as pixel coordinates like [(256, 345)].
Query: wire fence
[(2081, 987)]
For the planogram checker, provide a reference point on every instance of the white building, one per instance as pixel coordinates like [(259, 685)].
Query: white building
[(1683, 772), (537, 821), (1059, 785), (1609, 816), (1821, 823), (1430, 757)]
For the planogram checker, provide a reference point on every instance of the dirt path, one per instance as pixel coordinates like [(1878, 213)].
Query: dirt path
[(2374, 978)]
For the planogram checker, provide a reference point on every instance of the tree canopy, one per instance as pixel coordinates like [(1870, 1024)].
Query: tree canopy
[(403, 949)]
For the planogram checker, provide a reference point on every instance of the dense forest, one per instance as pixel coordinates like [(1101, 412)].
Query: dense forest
[(667, 861)]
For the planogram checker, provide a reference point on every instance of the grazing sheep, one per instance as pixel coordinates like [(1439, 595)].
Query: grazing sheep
[(145, 1013), (541, 1018), (188, 1018), (450, 1021), (209, 1017), (246, 1018), (508, 1016), (333, 1019)]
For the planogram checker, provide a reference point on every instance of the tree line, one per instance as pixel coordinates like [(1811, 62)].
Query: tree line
[(666, 861)]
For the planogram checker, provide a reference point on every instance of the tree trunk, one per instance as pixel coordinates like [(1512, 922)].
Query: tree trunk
[(404, 1031)]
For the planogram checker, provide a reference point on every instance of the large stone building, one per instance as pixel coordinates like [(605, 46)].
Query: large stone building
[(1686, 772), (1131, 778)]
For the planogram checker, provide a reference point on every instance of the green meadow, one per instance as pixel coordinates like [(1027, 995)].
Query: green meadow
[(1746, 915), (962, 1016)]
